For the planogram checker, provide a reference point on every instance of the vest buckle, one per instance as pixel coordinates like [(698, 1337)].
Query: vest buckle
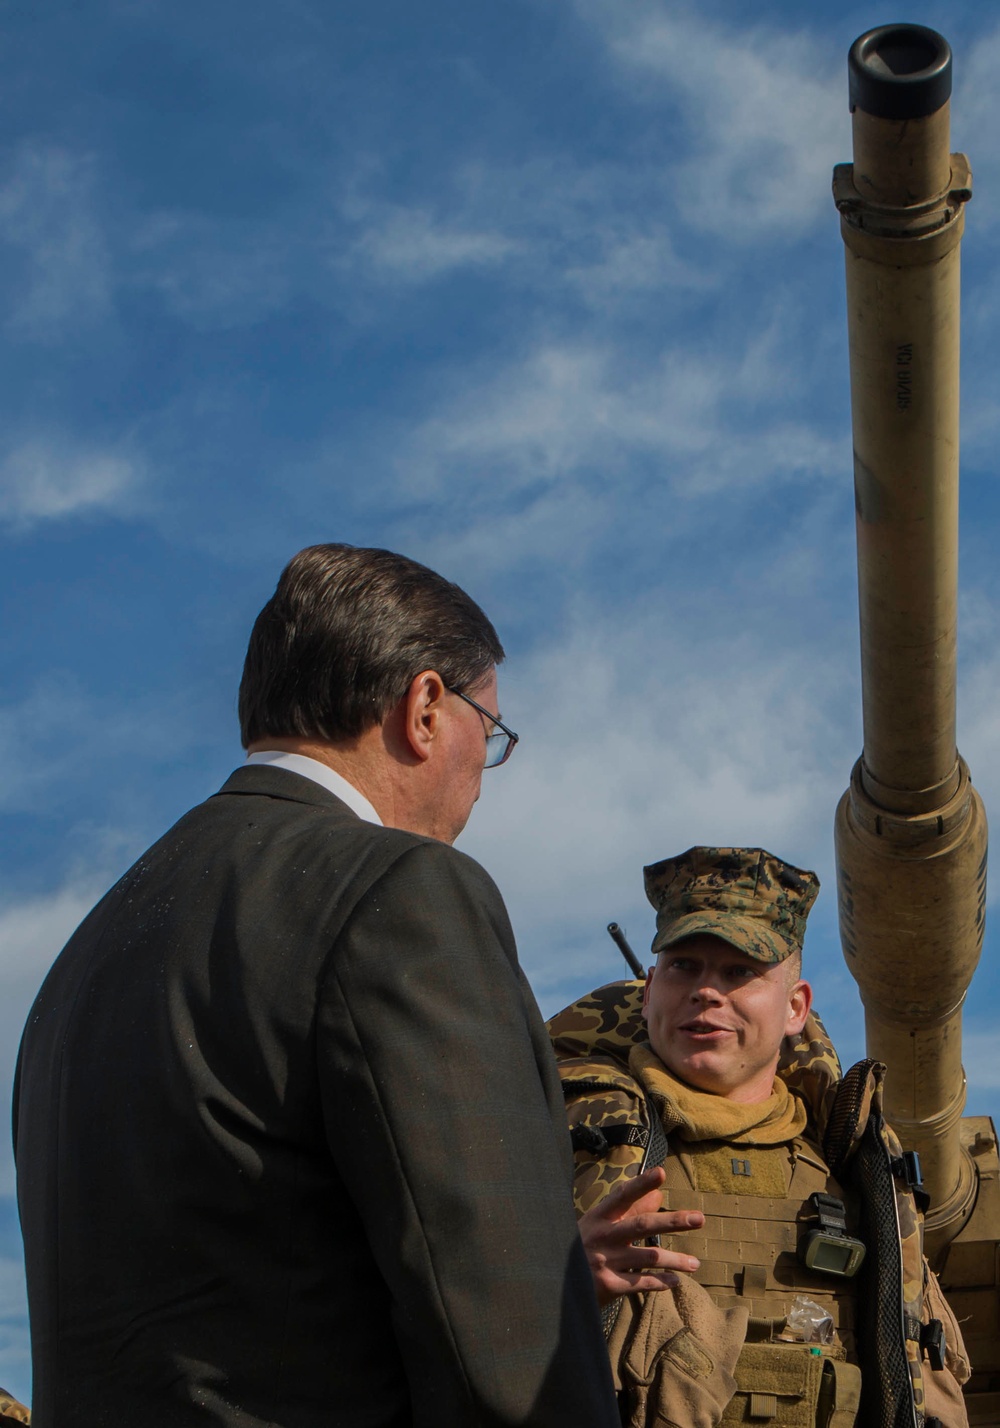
[(827, 1248)]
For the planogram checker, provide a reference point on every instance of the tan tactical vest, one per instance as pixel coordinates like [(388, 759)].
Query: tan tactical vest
[(741, 1368), (748, 1246)]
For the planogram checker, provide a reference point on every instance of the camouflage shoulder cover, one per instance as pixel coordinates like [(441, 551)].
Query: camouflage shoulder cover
[(11, 1411), (602, 1098)]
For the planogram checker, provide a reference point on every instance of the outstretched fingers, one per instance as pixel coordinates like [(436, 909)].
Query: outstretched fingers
[(632, 1213), (633, 1196)]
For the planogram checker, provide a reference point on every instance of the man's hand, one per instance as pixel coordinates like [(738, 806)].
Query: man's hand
[(632, 1212)]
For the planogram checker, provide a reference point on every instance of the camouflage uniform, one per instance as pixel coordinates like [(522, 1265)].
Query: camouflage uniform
[(11, 1411), (750, 1271)]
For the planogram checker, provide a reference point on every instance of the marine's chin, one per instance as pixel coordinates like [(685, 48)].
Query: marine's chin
[(700, 1074)]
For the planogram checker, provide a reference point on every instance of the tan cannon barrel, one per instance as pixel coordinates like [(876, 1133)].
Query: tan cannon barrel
[(910, 830)]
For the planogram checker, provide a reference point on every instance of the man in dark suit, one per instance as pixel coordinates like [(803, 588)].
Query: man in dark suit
[(291, 1148)]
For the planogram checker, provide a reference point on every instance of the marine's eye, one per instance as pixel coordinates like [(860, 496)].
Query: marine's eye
[(681, 964)]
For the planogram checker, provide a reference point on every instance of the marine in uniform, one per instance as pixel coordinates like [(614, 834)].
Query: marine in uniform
[(714, 1087)]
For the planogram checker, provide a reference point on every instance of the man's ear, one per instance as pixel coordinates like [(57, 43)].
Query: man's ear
[(423, 711), (650, 973), (800, 998)]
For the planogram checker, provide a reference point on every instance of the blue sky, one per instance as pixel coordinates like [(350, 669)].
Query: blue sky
[(546, 293)]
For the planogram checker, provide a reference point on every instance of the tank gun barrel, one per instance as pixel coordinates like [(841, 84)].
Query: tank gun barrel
[(910, 830)]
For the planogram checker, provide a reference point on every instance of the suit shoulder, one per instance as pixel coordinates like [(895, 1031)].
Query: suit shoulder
[(428, 857), (423, 899)]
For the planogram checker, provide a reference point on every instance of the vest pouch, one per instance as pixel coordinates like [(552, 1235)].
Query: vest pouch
[(674, 1354), (839, 1394), (792, 1386)]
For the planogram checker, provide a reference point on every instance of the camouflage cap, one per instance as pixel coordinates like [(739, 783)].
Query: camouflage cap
[(748, 897)]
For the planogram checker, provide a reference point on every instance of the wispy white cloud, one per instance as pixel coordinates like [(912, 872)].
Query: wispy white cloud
[(41, 719), (211, 274), (764, 113), (639, 740), (49, 221), (567, 408), (59, 734), (44, 479), (640, 737), (555, 532), (32, 932), (634, 258), (606, 232), (11, 1289), (215, 274), (415, 245), (558, 226), (979, 703), (976, 115)]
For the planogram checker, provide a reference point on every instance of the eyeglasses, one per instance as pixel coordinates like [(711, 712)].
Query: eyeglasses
[(499, 746)]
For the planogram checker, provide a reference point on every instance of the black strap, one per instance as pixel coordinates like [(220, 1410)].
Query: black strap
[(858, 1156), (932, 1343), (657, 1148), (906, 1167), (831, 1212), (598, 1140)]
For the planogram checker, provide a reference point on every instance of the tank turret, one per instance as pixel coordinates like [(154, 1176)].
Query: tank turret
[(911, 831)]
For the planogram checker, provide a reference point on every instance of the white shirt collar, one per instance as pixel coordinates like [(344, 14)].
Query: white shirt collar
[(322, 774)]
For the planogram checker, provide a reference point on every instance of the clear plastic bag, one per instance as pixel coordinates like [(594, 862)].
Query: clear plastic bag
[(808, 1323)]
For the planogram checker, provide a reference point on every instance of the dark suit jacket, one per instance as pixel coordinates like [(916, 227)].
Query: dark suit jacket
[(291, 1148)]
